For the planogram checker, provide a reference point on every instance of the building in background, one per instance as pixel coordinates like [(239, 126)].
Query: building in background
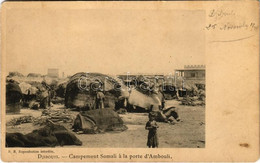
[(53, 72), (192, 72)]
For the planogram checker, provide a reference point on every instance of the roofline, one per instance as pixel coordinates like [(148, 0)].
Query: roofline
[(189, 69)]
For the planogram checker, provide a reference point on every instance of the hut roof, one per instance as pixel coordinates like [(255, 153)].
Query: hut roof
[(109, 81), (76, 96), (12, 74), (34, 75), (13, 87)]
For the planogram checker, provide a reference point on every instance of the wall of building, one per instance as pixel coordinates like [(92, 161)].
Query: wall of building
[(194, 74), (53, 73)]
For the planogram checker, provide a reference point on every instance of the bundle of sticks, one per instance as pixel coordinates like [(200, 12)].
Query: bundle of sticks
[(20, 120), (58, 115)]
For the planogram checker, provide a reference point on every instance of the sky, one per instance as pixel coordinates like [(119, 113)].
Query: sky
[(106, 41)]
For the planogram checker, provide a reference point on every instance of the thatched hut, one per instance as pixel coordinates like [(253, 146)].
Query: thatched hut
[(13, 97), (61, 87), (12, 74), (60, 91), (34, 75), (81, 89)]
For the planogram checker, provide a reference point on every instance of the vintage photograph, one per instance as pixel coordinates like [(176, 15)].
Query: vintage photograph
[(105, 79)]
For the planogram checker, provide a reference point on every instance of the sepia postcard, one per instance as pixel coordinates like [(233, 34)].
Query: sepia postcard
[(130, 81)]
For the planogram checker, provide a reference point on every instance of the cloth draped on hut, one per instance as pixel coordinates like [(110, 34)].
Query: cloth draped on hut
[(144, 95), (145, 101), (99, 120), (27, 88)]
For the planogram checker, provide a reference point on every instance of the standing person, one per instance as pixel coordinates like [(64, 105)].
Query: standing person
[(100, 99), (27, 97), (43, 98), (177, 94), (152, 126), (46, 93)]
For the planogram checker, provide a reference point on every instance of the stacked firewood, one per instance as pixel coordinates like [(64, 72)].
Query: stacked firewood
[(58, 115), (47, 115), (20, 120), (192, 101)]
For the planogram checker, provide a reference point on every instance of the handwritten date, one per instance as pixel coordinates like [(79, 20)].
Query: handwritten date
[(232, 26)]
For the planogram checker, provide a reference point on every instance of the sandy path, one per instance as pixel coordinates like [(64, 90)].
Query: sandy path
[(187, 134)]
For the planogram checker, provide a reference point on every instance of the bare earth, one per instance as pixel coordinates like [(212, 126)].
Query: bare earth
[(190, 133)]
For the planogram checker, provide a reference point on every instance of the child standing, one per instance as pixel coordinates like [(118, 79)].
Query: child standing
[(152, 126)]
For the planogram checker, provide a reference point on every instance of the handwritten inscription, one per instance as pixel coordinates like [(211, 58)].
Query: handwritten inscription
[(220, 13), (232, 26), (221, 19)]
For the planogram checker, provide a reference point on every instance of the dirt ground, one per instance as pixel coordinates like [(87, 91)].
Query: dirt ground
[(190, 133)]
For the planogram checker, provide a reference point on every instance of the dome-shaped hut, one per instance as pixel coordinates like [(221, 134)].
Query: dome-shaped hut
[(82, 88), (13, 97)]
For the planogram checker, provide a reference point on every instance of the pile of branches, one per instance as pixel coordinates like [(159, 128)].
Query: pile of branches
[(202, 95), (47, 115), (20, 120), (188, 101), (54, 116), (192, 101), (40, 121), (199, 99)]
